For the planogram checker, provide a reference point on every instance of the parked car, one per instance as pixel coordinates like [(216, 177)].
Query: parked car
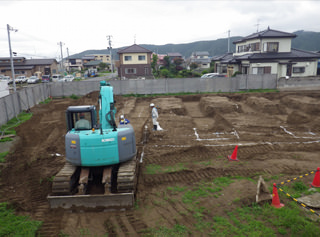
[(56, 77), (69, 78), (5, 78), (33, 80), (46, 78), (209, 75), (21, 79)]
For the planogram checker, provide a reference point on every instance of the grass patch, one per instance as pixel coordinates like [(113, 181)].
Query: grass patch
[(46, 101), (75, 97), (8, 128), (2, 156), (158, 169), (253, 220), (176, 230), (12, 225)]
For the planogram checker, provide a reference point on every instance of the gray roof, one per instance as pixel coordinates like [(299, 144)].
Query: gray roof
[(201, 53), (92, 63), (92, 57), (134, 49), (27, 62), (295, 54), (268, 33), (174, 54), (39, 61)]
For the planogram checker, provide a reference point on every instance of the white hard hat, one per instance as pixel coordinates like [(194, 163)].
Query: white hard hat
[(121, 116), (152, 104)]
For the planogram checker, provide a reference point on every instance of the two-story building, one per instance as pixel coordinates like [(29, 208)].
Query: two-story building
[(201, 58), (266, 52), (134, 61)]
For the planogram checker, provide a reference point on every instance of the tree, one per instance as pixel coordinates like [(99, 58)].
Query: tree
[(193, 66), (102, 65), (154, 64), (167, 62), (177, 62)]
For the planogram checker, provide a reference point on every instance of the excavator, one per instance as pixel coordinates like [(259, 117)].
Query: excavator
[(101, 158)]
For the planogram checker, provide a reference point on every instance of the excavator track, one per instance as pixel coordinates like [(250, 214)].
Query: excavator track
[(65, 183), (61, 184), (127, 176)]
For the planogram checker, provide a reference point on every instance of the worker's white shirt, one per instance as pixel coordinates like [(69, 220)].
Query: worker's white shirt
[(82, 124), (154, 115)]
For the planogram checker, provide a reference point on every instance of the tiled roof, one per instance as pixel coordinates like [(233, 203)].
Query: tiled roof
[(174, 54), (201, 53), (92, 63), (268, 33), (134, 49), (294, 54), (39, 61)]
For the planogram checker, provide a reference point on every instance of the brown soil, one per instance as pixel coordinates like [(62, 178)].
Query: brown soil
[(277, 135)]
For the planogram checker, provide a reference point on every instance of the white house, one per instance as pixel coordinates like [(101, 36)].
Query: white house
[(266, 52), (201, 58)]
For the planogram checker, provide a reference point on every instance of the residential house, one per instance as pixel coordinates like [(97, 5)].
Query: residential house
[(266, 52), (73, 64), (94, 64), (134, 61), (105, 58), (201, 58), (28, 67), (173, 56)]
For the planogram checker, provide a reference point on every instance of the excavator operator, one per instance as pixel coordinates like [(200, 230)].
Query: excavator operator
[(82, 123)]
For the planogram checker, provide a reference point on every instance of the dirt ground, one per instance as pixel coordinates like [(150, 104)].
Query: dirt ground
[(277, 134)]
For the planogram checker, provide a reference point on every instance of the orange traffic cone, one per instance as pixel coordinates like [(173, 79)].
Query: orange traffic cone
[(275, 198), (316, 180), (233, 157)]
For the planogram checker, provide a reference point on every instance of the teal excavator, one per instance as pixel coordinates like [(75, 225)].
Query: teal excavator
[(101, 157)]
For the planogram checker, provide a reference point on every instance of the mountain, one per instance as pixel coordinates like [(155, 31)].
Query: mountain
[(305, 40)]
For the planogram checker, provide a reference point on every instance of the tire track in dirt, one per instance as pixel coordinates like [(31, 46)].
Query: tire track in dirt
[(124, 224), (41, 208), (196, 176), (206, 153)]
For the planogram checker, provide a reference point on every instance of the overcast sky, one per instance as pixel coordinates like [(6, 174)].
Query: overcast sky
[(83, 25)]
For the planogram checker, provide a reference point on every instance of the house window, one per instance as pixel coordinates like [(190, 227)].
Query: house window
[(271, 47), (127, 58), (130, 70), (261, 70), (254, 47), (298, 69), (142, 57)]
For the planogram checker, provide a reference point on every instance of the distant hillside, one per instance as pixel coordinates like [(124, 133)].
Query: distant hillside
[(305, 40)]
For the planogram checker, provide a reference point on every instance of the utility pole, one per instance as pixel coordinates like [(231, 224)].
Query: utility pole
[(11, 59), (62, 68), (228, 41), (68, 61), (110, 50)]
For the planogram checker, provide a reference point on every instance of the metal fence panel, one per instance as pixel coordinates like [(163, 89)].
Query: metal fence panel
[(14, 104)]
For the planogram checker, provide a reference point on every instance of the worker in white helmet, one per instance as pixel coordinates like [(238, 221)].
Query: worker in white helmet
[(123, 120), (154, 116)]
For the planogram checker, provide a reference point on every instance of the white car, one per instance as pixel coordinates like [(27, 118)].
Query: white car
[(209, 75), (21, 79), (68, 78), (33, 80)]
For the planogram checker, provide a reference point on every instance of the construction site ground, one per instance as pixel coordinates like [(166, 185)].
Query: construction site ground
[(277, 135)]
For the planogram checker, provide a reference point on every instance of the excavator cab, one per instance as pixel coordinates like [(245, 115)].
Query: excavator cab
[(81, 117)]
